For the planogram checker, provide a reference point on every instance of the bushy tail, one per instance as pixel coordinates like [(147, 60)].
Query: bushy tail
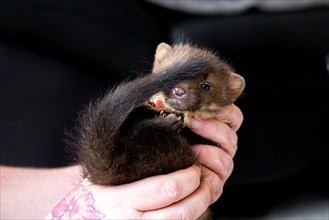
[(101, 123), (128, 96)]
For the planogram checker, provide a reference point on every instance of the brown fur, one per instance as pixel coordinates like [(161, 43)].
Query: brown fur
[(226, 86), (121, 139)]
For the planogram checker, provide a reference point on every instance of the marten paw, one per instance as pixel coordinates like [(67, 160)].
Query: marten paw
[(170, 123), (175, 121)]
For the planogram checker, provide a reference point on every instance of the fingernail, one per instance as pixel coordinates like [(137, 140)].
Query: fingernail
[(193, 123)]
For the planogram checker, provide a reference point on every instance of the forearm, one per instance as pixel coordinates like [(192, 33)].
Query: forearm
[(32, 193)]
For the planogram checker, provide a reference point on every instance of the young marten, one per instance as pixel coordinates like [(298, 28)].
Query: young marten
[(127, 135)]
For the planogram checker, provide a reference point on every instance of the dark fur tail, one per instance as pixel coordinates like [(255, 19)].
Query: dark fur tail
[(120, 102), (100, 125)]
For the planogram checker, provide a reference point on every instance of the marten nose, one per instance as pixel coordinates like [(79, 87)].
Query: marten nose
[(179, 92)]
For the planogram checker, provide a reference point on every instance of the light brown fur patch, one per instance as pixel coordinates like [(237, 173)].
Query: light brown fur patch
[(226, 85)]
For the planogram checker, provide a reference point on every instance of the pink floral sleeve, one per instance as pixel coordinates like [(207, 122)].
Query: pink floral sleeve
[(78, 204)]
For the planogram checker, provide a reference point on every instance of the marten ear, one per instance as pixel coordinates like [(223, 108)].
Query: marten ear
[(161, 51), (235, 86)]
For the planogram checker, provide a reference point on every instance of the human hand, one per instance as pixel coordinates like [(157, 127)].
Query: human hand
[(217, 162), (178, 195)]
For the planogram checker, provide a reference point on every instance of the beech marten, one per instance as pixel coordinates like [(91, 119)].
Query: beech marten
[(138, 128)]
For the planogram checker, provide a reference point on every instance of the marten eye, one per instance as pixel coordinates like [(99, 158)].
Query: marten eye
[(205, 86)]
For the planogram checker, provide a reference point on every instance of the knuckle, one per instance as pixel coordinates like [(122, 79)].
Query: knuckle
[(241, 117), (234, 144), (229, 166), (233, 137), (228, 163), (171, 189), (195, 176), (217, 192), (239, 113)]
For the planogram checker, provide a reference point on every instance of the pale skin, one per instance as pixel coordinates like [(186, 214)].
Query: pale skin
[(184, 194)]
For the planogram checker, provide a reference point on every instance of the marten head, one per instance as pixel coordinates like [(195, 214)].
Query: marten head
[(204, 96)]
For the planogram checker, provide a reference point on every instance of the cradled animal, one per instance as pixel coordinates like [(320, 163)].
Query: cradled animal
[(138, 128)]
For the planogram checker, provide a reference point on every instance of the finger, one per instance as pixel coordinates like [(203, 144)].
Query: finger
[(160, 191), (190, 207), (231, 115), (217, 184), (216, 160), (217, 132)]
